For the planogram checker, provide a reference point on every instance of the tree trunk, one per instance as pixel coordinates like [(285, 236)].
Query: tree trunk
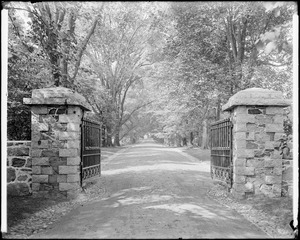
[(184, 141), (117, 134), (204, 144), (56, 77), (169, 141), (117, 139), (108, 137), (172, 140), (199, 139), (132, 139), (196, 139), (103, 136), (178, 140), (191, 138), (218, 109)]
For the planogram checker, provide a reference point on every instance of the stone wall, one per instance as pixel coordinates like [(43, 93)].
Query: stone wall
[(287, 155), (257, 159), (19, 168), (258, 165), (55, 151), (287, 166), (56, 115), (50, 164)]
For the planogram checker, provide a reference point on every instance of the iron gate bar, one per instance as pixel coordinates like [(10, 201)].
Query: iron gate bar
[(91, 166), (220, 155), (221, 150), (223, 167), (90, 149), (86, 155)]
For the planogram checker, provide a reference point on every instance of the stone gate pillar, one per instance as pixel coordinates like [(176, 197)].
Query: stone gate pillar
[(257, 116), (56, 115)]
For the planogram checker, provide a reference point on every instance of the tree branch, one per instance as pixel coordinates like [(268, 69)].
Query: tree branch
[(85, 42), (18, 34), (271, 64), (128, 131), (230, 36), (137, 108), (82, 48), (127, 46)]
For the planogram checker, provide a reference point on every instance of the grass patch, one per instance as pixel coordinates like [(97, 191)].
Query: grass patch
[(109, 151), (201, 154), (112, 149), (272, 215), (280, 208), (21, 207)]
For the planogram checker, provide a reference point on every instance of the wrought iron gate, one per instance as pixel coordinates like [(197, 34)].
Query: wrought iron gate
[(90, 149), (221, 151)]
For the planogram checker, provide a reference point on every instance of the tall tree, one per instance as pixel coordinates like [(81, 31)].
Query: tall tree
[(53, 26), (27, 70), (120, 51), (215, 50)]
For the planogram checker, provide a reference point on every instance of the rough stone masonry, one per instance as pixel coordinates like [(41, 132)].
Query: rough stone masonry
[(257, 116), (56, 115), (19, 168)]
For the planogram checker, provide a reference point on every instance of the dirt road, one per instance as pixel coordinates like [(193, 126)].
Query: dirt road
[(153, 192)]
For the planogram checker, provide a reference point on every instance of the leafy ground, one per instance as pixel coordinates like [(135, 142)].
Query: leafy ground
[(279, 209), (271, 214), (21, 207)]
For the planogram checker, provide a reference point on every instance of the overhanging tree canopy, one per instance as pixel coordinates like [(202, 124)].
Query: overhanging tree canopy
[(174, 63)]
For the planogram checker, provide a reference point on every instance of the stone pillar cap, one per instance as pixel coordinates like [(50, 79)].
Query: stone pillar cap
[(57, 96), (256, 97)]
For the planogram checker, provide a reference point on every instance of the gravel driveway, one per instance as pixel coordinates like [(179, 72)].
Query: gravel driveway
[(153, 192)]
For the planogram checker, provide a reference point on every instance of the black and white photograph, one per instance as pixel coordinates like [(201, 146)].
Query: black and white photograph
[(149, 120)]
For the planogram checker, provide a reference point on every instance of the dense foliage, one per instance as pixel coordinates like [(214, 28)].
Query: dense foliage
[(215, 50), (27, 70), (163, 68)]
